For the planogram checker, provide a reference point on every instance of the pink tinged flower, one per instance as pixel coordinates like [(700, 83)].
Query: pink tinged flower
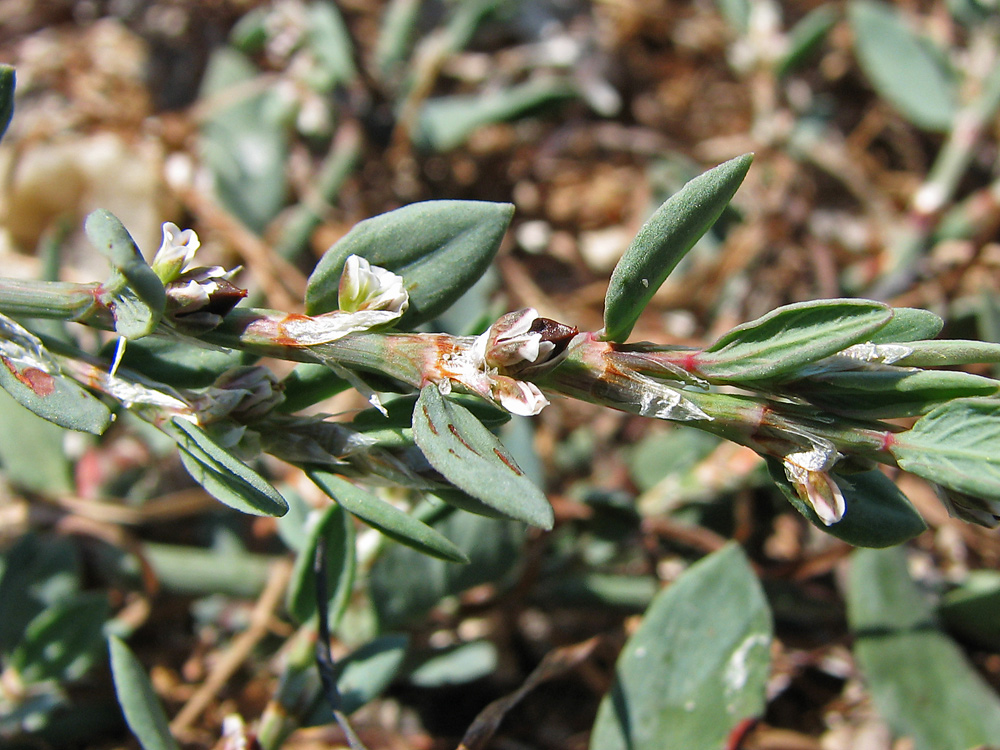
[(809, 473), (517, 396), (176, 252)]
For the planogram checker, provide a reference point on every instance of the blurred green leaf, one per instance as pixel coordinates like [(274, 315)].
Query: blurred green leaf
[(445, 123), (439, 248), (138, 700), (972, 610), (883, 393), (8, 81), (397, 29), (919, 679), (805, 37), (36, 573), (790, 337), (908, 324), (956, 445), (197, 571), (697, 665), (331, 42), (31, 450), (405, 583), (471, 458), (664, 239), (672, 451), (335, 526), (877, 514), (387, 518), (224, 476), (63, 641), (243, 145), (456, 665), (736, 13), (903, 66), (137, 297), (362, 676)]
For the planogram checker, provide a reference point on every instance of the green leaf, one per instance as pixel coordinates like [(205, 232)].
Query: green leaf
[(63, 641), (137, 297), (178, 363), (877, 513), (362, 676), (805, 37), (387, 518), (945, 352), (8, 81), (224, 476), (664, 239), (956, 445), (445, 123), (31, 451), (919, 679), (908, 324), (696, 667), (308, 384), (883, 393), (972, 611), (138, 700), (331, 43), (736, 13), (405, 583), (456, 665), (903, 66), (334, 525), (54, 398), (439, 248), (470, 457), (244, 145), (790, 337)]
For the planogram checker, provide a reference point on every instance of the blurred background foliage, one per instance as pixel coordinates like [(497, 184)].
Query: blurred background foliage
[(272, 128)]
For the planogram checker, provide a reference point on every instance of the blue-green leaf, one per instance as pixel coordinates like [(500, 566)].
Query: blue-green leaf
[(224, 476), (387, 518), (696, 667), (64, 640), (439, 248), (919, 679), (663, 240), (908, 324), (138, 700), (137, 297), (336, 527), (903, 66), (470, 457)]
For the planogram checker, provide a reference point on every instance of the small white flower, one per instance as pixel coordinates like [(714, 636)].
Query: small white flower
[(809, 472), (517, 396), (511, 341), (367, 287), (176, 252)]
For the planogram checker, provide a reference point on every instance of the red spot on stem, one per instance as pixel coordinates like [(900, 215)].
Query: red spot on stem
[(690, 362), (510, 464), (37, 380), (888, 440)]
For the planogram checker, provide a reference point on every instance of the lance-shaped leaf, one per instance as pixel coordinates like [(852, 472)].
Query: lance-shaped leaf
[(336, 527), (920, 681), (945, 352), (471, 458), (138, 700), (387, 518), (439, 248), (790, 337), (32, 377), (903, 66), (8, 81), (664, 239), (957, 445), (136, 293), (696, 667), (877, 513), (224, 476), (890, 392)]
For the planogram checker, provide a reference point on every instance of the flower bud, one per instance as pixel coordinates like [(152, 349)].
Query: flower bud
[(176, 252)]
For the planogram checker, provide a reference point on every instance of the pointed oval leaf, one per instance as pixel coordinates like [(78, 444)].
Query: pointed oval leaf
[(956, 445), (903, 66), (387, 518), (696, 667), (224, 476), (664, 239), (64, 640), (138, 700), (908, 324), (137, 294), (921, 682), (790, 337), (878, 514), (439, 248), (336, 527), (470, 457)]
